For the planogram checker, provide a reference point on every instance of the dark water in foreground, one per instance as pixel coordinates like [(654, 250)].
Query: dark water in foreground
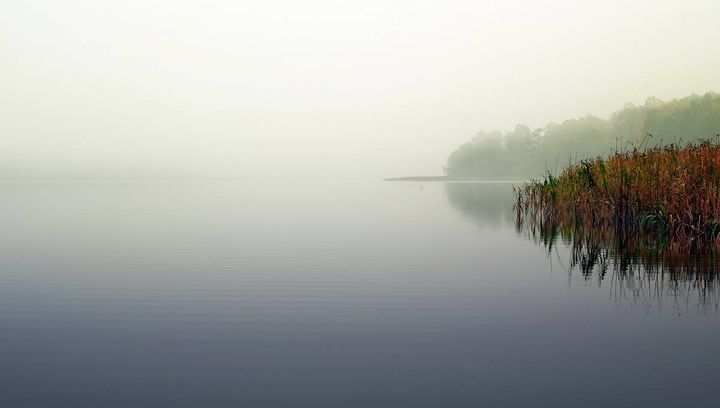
[(325, 295)]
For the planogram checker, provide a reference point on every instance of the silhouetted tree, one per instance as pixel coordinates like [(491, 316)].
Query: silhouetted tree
[(523, 152)]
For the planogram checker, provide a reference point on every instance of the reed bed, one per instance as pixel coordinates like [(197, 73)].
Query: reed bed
[(664, 200)]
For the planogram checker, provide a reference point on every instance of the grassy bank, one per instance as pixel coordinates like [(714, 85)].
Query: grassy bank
[(666, 198)]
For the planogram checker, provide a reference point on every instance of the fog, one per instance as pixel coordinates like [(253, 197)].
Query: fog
[(322, 89)]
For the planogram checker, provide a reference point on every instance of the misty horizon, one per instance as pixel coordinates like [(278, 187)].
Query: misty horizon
[(288, 90)]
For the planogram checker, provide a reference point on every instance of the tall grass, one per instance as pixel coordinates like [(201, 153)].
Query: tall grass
[(667, 199)]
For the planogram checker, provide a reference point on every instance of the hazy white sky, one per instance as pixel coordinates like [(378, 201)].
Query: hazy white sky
[(303, 89)]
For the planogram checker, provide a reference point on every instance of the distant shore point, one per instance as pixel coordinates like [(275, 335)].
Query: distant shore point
[(448, 178)]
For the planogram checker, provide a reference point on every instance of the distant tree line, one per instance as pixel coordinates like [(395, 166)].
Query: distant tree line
[(526, 152)]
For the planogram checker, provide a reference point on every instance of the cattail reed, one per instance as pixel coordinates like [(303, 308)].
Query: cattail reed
[(666, 198)]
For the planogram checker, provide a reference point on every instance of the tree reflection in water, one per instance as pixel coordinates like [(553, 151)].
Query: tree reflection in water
[(488, 205)]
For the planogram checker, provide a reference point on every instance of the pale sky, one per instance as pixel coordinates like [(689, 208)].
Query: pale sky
[(315, 89)]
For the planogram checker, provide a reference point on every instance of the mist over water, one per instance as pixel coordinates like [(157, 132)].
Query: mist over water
[(319, 89), (152, 294)]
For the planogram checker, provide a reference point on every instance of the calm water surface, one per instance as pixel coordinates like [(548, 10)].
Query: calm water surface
[(310, 294)]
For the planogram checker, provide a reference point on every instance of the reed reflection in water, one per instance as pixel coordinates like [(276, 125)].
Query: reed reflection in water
[(638, 272), (638, 269)]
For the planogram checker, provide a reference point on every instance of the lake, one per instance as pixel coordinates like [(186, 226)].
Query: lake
[(327, 294)]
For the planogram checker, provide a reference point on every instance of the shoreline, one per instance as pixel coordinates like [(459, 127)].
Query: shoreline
[(453, 179)]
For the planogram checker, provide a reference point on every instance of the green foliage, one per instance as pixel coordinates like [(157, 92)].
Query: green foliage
[(524, 152)]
